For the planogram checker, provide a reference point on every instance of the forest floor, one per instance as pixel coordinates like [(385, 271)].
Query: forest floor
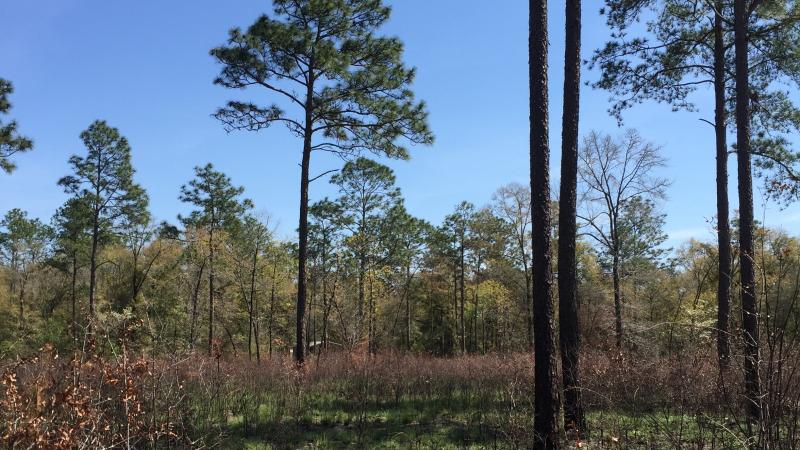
[(333, 424), (470, 402), (385, 401)]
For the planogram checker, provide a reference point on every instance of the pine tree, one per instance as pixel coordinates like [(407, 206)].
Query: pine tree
[(547, 406), (103, 179), (348, 90), (218, 209), (569, 335), (11, 142)]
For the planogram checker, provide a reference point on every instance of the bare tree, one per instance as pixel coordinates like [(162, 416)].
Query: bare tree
[(512, 203), (613, 172)]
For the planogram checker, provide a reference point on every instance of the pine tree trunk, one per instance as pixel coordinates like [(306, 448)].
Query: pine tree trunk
[(569, 333), (299, 352), (408, 309), (73, 284), (93, 268), (547, 405), (461, 294), (746, 253), (211, 292), (195, 295), (723, 224)]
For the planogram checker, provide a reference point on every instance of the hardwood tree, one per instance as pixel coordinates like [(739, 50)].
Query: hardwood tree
[(488, 238), (137, 233), (11, 142), (347, 88), (219, 209), (250, 241), (103, 179), (613, 173), (512, 203), (569, 334), (547, 403), (24, 244)]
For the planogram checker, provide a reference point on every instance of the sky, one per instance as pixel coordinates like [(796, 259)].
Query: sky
[(144, 67)]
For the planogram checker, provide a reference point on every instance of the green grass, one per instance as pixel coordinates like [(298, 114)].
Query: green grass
[(326, 421)]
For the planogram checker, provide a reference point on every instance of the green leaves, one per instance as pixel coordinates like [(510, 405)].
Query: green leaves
[(347, 88), (22, 240), (103, 179), (10, 141), (217, 200)]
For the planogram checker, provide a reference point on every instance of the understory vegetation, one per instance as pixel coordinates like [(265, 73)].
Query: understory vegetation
[(343, 400)]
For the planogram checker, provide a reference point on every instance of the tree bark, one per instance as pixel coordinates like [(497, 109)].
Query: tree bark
[(251, 310), (618, 330), (547, 405), (195, 294), (723, 224), (462, 295), (73, 284), (299, 352), (93, 267), (746, 253), (211, 291), (569, 333)]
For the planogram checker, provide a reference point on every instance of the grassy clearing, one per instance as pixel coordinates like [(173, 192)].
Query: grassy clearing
[(458, 423)]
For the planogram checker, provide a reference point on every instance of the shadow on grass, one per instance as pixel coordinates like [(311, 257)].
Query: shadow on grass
[(334, 423)]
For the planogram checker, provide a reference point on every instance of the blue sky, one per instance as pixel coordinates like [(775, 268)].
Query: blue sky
[(144, 67)]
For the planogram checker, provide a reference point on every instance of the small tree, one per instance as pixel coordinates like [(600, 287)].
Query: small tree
[(218, 208), (103, 179), (73, 225), (250, 242), (325, 240), (512, 203), (456, 228), (368, 193), (23, 244), (614, 173), (348, 89), (10, 141), (404, 239)]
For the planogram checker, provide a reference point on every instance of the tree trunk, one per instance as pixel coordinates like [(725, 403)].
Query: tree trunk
[(547, 405), (93, 267), (619, 333), (73, 284), (272, 306), (373, 349), (528, 306), (408, 308), (211, 292), (299, 352), (362, 269), (22, 303), (569, 333), (134, 278), (462, 298), (746, 254), (195, 295), (723, 224)]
